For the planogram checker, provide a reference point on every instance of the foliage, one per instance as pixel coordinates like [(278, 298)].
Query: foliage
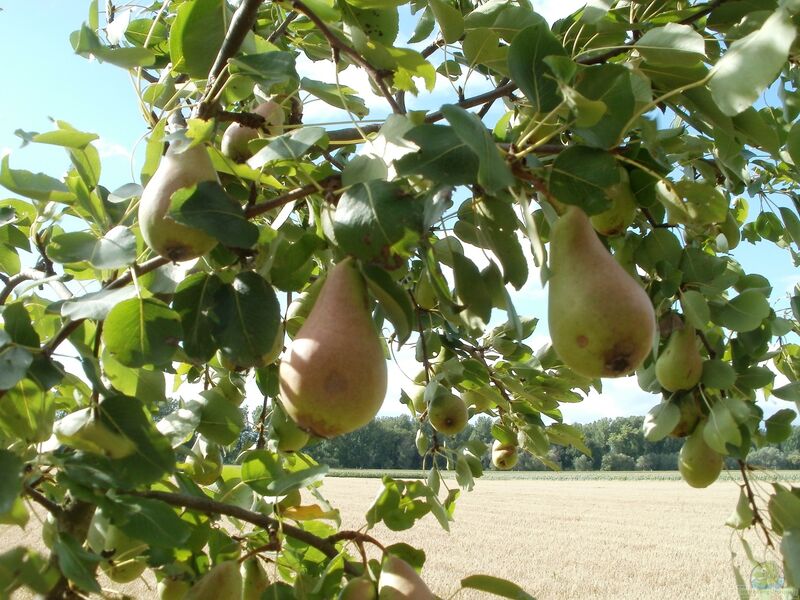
[(692, 105)]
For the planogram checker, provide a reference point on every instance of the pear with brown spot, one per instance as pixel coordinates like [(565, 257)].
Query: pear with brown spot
[(333, 377), (601, 321)]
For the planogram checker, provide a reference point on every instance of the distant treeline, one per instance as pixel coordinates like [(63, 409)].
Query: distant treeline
[(616, 445)]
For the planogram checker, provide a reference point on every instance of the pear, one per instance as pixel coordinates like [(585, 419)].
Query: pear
[(601, 321), (448, 414), (222, 582), (424, 292), (172, 589), (399, 581), (161, 232), (475, 398), (236, 139), (254, 579), (123, 571), (333, 377), (691, 411), (680, 366), (204, 462), (358, 588), (699, 464), (504, 456), (290, 437), (83, 430), (619, 217), (123, 553), (417, 395)]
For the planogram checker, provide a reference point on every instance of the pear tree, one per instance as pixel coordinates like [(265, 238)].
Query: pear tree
[(628, 158)]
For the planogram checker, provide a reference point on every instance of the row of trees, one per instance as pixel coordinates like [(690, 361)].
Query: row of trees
[(616, 445)]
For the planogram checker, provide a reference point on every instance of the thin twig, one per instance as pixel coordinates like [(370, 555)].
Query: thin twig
[(21, 277), (354, 536), (212, 507), (339, 46), (43, 501), (281, 29), (757, 519)]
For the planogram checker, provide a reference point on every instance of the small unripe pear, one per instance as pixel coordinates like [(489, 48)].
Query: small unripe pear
[(236, 139), (172, 589), (699, 464), (399, 581), (290, 437), (680, 366), (691, 412), (417, 395), (358, 588), (221, 582), (448, 414), (602, 322), (162, 233), (204, 462), (333, 377), (504, 456), (619, 217), (123, 571), (424, 293), (254, 579)]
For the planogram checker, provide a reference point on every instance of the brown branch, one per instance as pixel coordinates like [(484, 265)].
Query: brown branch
[(751, 497), (242, 22), (281, 29), (701, 13), (21, 277), (307, 190), (248, 119), (212, 507), (354, 536), (338, 46), (43, 501)]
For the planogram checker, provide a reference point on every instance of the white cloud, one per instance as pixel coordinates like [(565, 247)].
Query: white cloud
[(109, 149), (552, 10)]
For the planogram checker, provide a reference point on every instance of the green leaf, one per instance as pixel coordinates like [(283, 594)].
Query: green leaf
[(499, 222), (151, 521), (494, 174), (85, 42), (37, 186), (290, 146), (529, 70), (394, 300), (742, 517), (206, 206), (141, 332), (14, 363), (376, 3), (77, 564), (221, 420), (482, 47), (744, 313), (752, 63), (790, 550), (703, 203), (610, 84), (660, 421), (293, 262), (721, 429), (287, 482), (784, 510), (779, 425), (580, 176), (11, 475), (695, 309), (471, 291), (17, 325), (790, 392), (338, 96), (26, 413), (372, 217), (442, 157), (718, 374), (659, 246), (672, 44), (495, 585), (259, 469), (267, 69), (96, 305), (194, 299), (196, 36), (450, 20), (66, 136), (246, 317)]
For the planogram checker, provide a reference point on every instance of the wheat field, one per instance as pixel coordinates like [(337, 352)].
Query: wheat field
[(559, 539)]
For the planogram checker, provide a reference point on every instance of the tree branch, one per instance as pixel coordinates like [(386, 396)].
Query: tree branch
[(21, 277), (281, 29), (751, 497), (339, 46), (212, 507)]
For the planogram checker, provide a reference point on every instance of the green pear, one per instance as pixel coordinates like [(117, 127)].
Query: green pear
[(619, 217), (83, 430), (691, 412), (123, 561), (424, 293), (237, 137), (290, 437), (448, 414), (399, 581), (504, 456), (680, 366), (333, 377), (358, 588), (222, 582), (254, 578), (699, 464), (417, 395), (162, 233), (123, 571), (602, 322), (172, 589), (204, 462)]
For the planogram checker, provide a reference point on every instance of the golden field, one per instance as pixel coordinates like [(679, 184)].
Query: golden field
[(561, 539)]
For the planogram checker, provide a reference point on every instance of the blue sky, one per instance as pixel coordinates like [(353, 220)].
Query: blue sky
[(43, 78)]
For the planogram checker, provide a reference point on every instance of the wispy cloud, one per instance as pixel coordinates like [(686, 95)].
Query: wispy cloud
[(108, 149)]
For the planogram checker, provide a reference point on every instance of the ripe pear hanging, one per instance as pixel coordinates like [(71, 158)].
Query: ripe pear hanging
[(602, 322), (161, 232), (333, 377)]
